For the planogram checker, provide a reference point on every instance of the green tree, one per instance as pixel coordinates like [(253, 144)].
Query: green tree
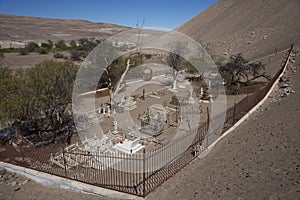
[(50, 86), (239, 71), (73, 43), (46, 45), (50, 42), (32, 47), (78, 55), (58, 55), (43, 50), (41, 95), (60, 44), (23, 51), (174, 59)]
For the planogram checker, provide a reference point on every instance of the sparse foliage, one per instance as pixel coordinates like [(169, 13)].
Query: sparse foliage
[(23, 51), (239, 71), (32, 47), (46, 45), (43, 50), (174, 57), (58, 55), (73, 43), (60, 44), (78, 55)]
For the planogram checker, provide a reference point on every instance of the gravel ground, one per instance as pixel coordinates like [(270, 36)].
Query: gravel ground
[(258, 160)]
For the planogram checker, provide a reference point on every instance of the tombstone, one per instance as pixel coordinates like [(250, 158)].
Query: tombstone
[(147, 74), (174, 85), (191, 99), (115, 125), (108, 111)]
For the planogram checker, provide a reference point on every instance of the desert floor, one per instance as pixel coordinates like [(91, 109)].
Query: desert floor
[(258, 160)]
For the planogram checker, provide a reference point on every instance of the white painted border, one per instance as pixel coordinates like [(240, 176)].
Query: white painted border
[(56, 181), (209, 148)]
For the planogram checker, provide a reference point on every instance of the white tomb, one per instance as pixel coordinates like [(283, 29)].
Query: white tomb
[(129, 146)]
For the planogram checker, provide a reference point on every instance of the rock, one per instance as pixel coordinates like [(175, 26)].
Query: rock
[(17, 189), (14, 183), (2, 149), (283, 95), (292, 60), (265, 37), (24, 182), (7, 160), (284, 85), (19, 159), (253, 33)]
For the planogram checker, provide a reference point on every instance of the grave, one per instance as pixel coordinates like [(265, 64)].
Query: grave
[(129, 146)]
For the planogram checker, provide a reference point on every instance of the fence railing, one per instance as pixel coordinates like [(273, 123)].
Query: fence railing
[(137, 174)]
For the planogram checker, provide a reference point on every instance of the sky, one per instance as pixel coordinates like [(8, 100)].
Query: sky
[(167, 14)]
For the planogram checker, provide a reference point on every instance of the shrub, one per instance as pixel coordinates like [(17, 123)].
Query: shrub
[(58, 55), (43, 50), (46, 45), (60, 44), (23, 51), (77, 55), (32, 47)]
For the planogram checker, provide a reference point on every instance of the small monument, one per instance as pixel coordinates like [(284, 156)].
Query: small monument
[(147, 74), (191, 98), (115, 125)]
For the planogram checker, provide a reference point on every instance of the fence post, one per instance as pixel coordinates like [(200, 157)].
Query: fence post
[(65, 162), (207, 128), (22, 153), (208, 118), (234, 110), (144, 173)]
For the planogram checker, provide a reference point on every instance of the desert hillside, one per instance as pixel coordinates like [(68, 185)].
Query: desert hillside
[(254, 27), (17, 30), (259, 159)]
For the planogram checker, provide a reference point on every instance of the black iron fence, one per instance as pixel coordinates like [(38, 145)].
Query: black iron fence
[(139, 173)]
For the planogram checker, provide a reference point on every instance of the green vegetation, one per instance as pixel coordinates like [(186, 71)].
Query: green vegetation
[(58, 55), (39, 95), (23, 51), (32, 47), (78, 52), (118, 67), (239, 70), (43, 50)]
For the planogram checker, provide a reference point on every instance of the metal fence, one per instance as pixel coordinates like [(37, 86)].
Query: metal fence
[(140, 173)]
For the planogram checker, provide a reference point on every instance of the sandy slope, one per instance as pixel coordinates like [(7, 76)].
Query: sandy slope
[(254, 27), (16, 29), (258, 160)]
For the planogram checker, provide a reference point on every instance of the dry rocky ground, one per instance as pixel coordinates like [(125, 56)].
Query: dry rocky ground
[(258, 160), (254, 28), (16, 30)]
